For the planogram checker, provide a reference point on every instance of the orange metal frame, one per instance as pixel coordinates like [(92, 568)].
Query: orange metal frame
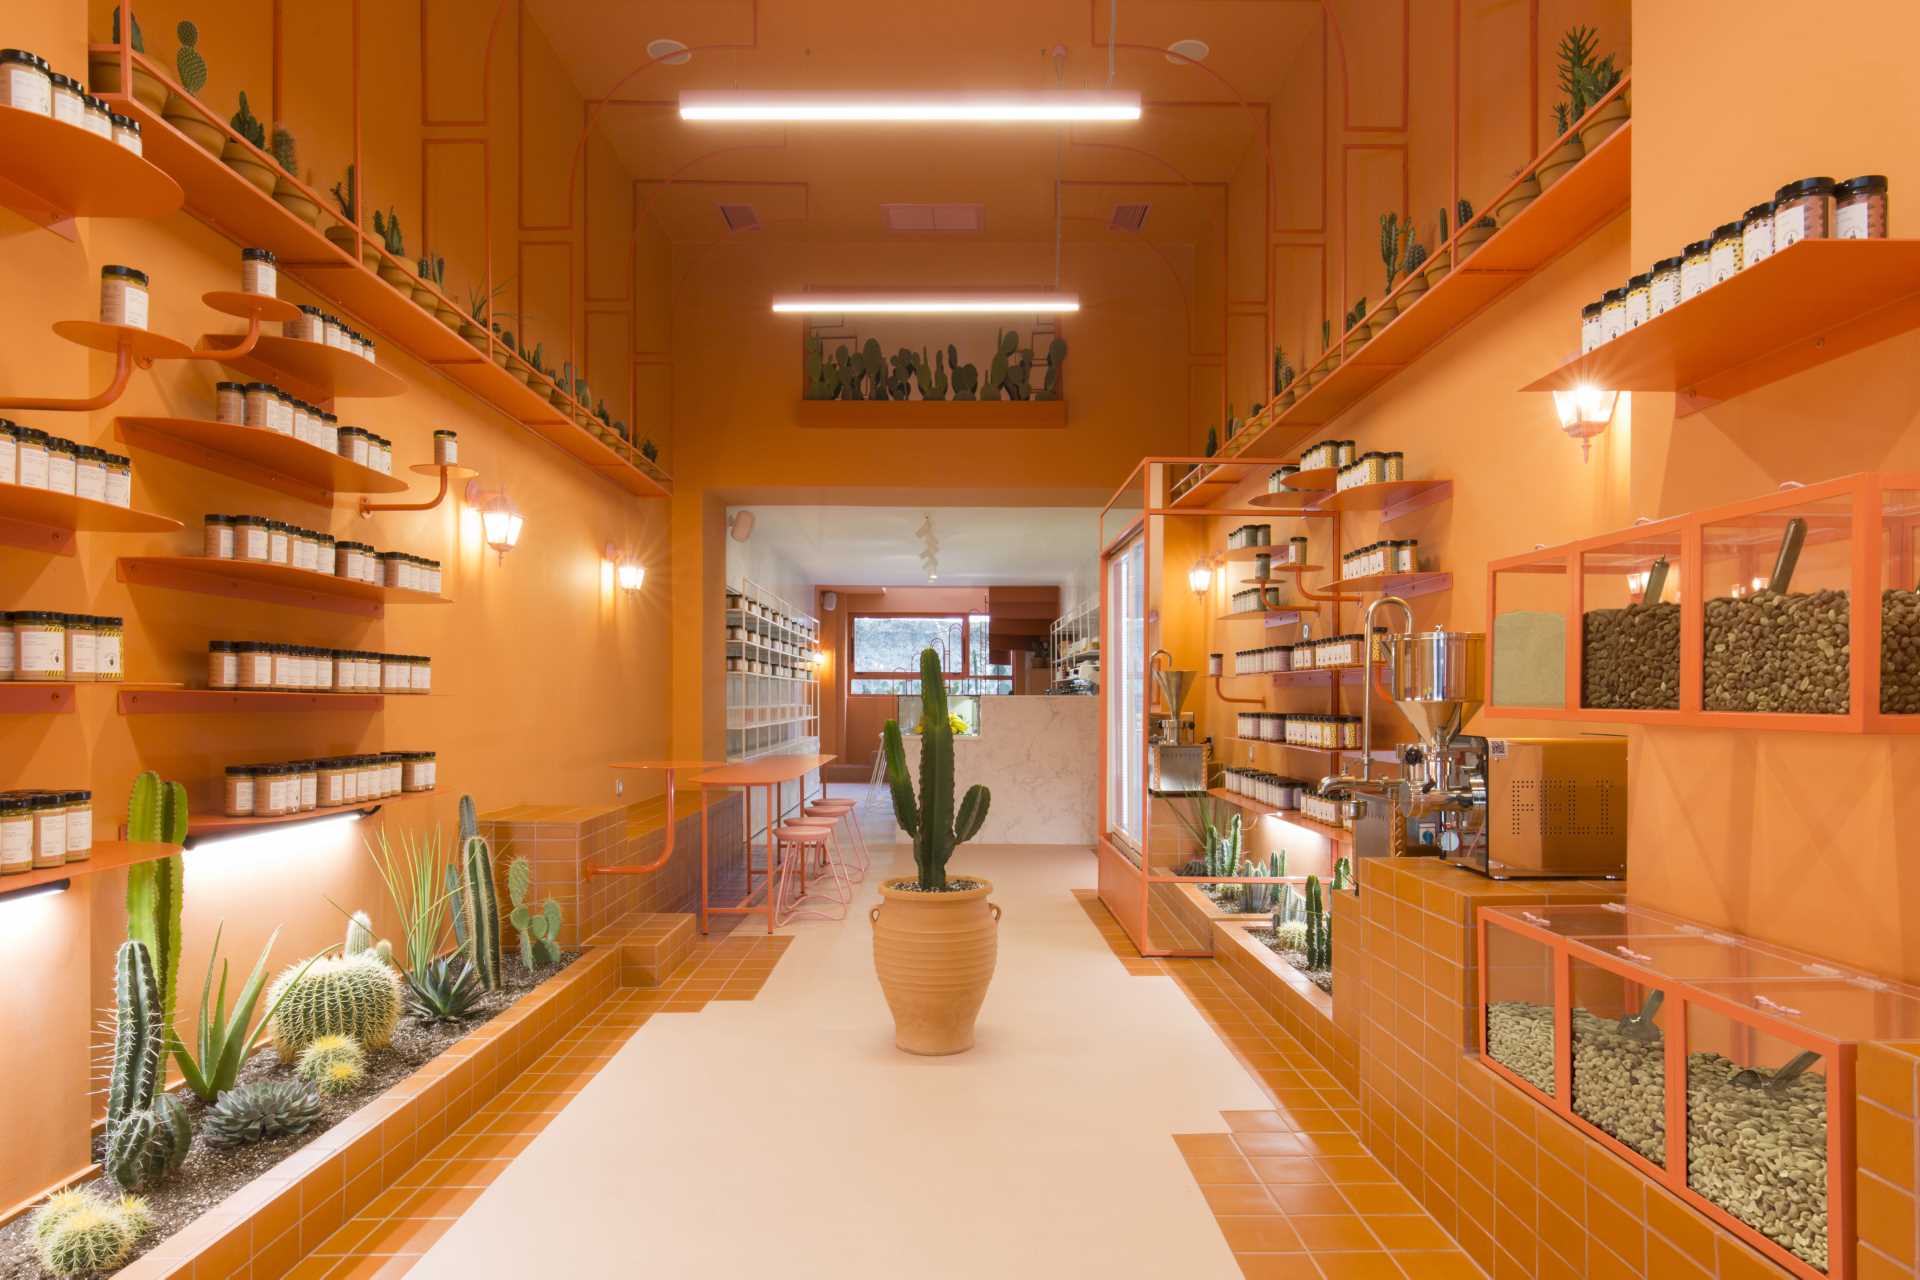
[(1866, 492), (1838, 1057), (773, 773)]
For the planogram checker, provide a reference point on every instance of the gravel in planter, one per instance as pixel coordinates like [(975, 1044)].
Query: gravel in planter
[(1630, 658), (1900, 652), (211, 1174), (1321, 978), (1778, 653)]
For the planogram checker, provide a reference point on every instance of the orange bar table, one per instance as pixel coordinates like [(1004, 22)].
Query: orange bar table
[(773, 773), (670, 767)]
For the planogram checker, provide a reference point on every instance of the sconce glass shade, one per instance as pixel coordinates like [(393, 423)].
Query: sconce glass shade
[(1200, 577), (1584, 413), (632, 576), (501, 523)]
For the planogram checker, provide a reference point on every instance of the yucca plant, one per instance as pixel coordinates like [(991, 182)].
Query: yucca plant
[(415, 874)]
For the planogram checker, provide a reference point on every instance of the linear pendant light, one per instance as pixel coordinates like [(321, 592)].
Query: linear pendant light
[(925, 303), (1056, 107)]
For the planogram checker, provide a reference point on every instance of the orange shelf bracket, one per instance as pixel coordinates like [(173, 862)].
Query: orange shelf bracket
[(122, 373), (1222, 695), (367, 509)]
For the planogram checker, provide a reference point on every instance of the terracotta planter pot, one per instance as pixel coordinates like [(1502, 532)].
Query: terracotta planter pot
[(500, 356), (396, 275), (289, 197), (1562, 158), (242, 160), (474, 334), (1604, 122), (370, 257), (103, 77), (1285, 402), (1472, 238), (1410, 291), (188, 119), (934, 953), (447, 316), (558, 399), (1437, 267), (345, 238), (424, 296), (1387, 309), (1519, 198)]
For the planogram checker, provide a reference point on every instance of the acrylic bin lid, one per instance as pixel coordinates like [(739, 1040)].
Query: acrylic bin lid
[(1845, 1010), (1702, 957)]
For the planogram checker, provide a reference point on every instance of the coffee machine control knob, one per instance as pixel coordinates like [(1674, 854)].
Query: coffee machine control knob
[(1449, 841), (1411, 756)]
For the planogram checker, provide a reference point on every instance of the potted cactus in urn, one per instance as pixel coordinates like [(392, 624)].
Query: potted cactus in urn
[(286, 191), (244, 154), (1394, 232), (103, 69), (1413, 279), (1581, 78), (389, 267), (181, 112), (934, 938)]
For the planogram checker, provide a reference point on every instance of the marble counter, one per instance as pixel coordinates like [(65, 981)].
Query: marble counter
[(1040, 757)]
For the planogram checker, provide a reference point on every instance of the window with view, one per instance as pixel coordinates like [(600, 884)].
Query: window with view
[(887, 647)]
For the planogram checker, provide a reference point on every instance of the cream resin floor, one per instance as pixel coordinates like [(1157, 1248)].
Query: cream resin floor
[(787, 1136)]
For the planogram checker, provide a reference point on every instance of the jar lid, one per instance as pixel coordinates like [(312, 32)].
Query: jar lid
[(1591, 309), (1726, 229), (444, 432), (111, 620), (239, 770), (60, 444), (222, 646), (65, 82), (1614, 295), (41, 616), (1867, 184), (23, 55), (1758, 211), (127, 122), (264, 388), (1668, 264), (257, 255), (119, 460), (1700, 246), (93, 453), (1805, 187), (1639, 281), (126, 273)]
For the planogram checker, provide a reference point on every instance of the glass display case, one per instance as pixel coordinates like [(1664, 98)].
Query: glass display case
[(1796, 610), (1747, 1048)]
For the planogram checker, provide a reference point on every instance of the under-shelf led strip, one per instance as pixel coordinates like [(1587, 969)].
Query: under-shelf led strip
[(1059, 107), (925, 304)]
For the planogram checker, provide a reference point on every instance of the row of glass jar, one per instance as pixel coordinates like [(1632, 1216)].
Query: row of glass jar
[(315, 325), (28, 82), (1394, 555), (1250, 535), (260, 540), (1810, 209), (1266, 788), (754, 607), (35, 459), (1249, 601), (1332, 810), (1372, 467), (1295, 730), (259, 664), (1329, 455), (51, 647), (263, 405), (784, 667), (300, 786), (40, 830)]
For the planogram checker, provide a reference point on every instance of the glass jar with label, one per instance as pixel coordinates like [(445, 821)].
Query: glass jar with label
[(239, 791), (307, 772), (1591, 333), (1696, 270), (258, 397), (446, 448), (119, 480), (284, 675), (1639, 299), (255, 664), (123, 296), (63, 456), (1802, 211), (30, 457), (218, 537), (250, 539), (96, 117), (90, 473), (1860, 208), (126, 133), (109, 645), (1613, 314), (82, 647), (277, 542), (259, 272), (1665, 293), (1726, 258), (16, 833), (66, 104), (305, 327), (49, 829), (79, 825), (26, 82), (1756, 235), (223, 665), (9, 452), (39, 646), (422, 674)]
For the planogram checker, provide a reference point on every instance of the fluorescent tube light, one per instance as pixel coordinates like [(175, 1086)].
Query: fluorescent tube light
[(1058, 107), (925, 303)]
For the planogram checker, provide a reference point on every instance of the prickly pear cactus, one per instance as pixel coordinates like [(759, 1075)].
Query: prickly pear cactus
[(188, 62), (539, 930)]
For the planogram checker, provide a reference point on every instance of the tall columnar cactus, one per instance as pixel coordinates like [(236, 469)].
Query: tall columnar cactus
[(356, 996), (147, 1131), (1343, 873), (188, 62), (1393, 241), (539, 930), (157, 814), (929, 819), (1319, 945), (480, 905), (247, 125), (347, 197), (469, 828)]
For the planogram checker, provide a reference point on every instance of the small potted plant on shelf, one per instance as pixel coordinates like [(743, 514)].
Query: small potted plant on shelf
[(182, 113), (536, 371), (582, 398), (473, 327), (503, 348), (1578, 75), (651, 453), (562, 380), (1473, 233), (1594, 81), (516, 358), (1522, 194), (434, 271), (1441, 260), (103, 69), (346, 235), (1282, 381), (1357, 328), (934, 939), (1394, 230), (286, 193), (420, 287), (1413, 279), (387, 227), (243, 154)]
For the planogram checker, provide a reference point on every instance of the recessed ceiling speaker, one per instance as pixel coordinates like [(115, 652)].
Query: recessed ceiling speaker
[(830, 600), (1186, 52), (742, 527), (669, 52)]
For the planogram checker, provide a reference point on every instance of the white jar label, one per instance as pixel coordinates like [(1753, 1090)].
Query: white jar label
[(1789, 227), (1756, 243), (1666, 292), (360, 450), (90, 481), (259, 277), (33, 466), (309, 790), (276, 546), (226, 671), (98, 123), (107, 655), (280, 417), (1726, 261), (243, 795), (334, 791), (1850, 222), (7, 659), (53, 836), (1636, 309), (42, 652), (9, 461), (16, 842), (136, 308), (29, 90), (79, 828), (262, 669), (59, 472), (256, 539), (67, 109), (82, 647), (119, 487), (423, 677)]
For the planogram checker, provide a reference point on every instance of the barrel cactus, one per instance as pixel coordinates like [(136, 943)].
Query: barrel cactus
[(360, 938), (333, 1065), (261, 1109), (148, 1132), (930, 819), (480, 909), (80, 1232), (357, 996)]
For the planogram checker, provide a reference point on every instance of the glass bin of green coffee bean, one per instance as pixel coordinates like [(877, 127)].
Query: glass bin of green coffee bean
[(1517, 990), (1530, 603), (1776, 620)]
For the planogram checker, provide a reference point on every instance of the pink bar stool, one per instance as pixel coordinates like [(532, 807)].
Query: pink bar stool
[(794, 843), (834, 813)]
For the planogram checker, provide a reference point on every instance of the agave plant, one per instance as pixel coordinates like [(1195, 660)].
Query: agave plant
[(442, 992)]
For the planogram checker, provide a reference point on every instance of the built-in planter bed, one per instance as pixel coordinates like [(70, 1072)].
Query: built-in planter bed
[(1288, 994), (1198, 910), (263, 1206)]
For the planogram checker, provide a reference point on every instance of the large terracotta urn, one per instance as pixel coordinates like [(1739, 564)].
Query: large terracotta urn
[(935, 953)]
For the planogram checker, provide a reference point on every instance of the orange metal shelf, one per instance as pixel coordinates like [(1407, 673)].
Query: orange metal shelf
[(35, 698), (108, 855), (42, 520), (1318, 478), (1270, 615), (1808, 304), (1320, 675), (1236, 554), (183, 701), (312, 368), (1391, 498), (51, 171), (144, 344), (1394, 584), (256, 455), (229, 204), (921, 414), (204, 824), (273, 583), (1586, 198)]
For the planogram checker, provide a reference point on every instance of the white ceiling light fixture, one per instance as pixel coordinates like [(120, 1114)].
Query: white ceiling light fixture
[(1183, 52), (1058, 106), (944, 303), (669, 52)]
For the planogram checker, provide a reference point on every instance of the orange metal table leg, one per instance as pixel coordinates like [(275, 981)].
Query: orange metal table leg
[(703, 861), (773, 848)]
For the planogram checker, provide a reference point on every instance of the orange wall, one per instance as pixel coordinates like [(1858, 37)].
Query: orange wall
[(542, 672)]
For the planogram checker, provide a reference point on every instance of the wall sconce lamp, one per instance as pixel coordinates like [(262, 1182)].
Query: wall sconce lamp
[(500, 521), (628, 574), (1200, 577), (1585, 412)]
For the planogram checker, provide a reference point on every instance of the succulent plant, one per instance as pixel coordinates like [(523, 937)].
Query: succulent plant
[(223, 1040), (333, 1064), (139, 41), (1343, 873), (260, 1109), (246, 125), (480, 904), (360, 938), (80, 1232), (357, 996), (539, 930), (930, 820), (148, 1132), (1213, 441), (286, 152), (188, 62), (649, 450), (1394, 231), (1414, 258), (440, 992), (1319, 946), (388, 229), (349, 202)]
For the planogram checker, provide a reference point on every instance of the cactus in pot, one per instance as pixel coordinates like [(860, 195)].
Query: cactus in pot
[(148, 1132), (930, 819), (480, 910), (287, 192), (245, 154), (182, 112), (392, 264), (103, 68)]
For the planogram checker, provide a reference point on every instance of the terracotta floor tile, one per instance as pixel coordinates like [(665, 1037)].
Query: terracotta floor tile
[(1260, 1235), (1449, 1265), (404, 1235), (371, 1268), (1322, 1197), (1278, 1266), (1272, 1143), (1380, 1197), (1331, 1231), (1215, 1170), (1290, 1170), (1244, 1121), (1408, 1231), (1229, 1199), (1206, 1144)]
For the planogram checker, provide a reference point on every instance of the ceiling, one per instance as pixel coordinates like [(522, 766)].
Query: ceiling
[(831, 183), (979, 546)]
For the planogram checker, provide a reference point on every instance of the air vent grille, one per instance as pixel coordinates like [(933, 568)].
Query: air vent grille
[(934, 217), (739, 217), (1128, 217)]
